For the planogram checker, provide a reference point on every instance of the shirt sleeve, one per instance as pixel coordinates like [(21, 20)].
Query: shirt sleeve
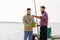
[(33, 20), (24, 22), (44, 17)]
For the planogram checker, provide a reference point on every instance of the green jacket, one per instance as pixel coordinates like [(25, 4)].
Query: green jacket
[(27, 19)]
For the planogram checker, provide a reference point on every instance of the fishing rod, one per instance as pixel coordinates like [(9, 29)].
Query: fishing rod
[(36, 13)]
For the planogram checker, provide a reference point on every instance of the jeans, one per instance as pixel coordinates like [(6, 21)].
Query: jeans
[(28, 35)]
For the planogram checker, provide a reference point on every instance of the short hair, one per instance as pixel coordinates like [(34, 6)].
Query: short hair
[(28, 9), (43, 7)]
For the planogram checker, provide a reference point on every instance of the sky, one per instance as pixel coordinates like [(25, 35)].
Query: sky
[(14, 10)]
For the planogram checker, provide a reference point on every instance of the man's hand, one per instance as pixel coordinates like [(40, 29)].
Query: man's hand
[(36, 16), (33, 15), (38, 25)]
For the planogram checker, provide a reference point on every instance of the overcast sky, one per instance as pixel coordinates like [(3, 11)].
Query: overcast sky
[(14, 10)]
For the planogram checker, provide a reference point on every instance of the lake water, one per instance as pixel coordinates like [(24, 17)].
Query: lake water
[(15, 30)]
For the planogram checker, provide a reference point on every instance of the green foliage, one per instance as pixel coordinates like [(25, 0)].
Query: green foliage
[(32, 24)]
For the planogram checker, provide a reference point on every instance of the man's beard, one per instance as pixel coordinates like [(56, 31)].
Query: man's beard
[(42, 12), (28, 14)]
